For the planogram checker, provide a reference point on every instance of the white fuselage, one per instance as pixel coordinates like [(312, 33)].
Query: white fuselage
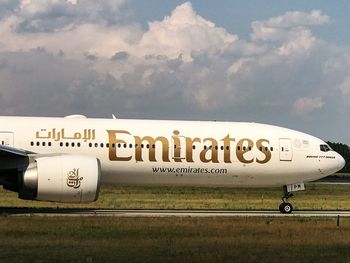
[(153, 152)]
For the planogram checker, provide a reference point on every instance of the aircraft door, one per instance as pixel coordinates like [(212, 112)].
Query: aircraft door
[(6, 138), (286, 150)]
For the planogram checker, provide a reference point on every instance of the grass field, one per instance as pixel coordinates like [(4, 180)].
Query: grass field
[(112, 239), (316, 197)]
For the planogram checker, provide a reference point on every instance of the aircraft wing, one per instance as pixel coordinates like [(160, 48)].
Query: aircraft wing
[(12, 159), (6, 151)]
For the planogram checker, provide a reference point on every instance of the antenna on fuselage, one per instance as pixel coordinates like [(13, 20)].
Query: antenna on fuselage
[(114, 117)]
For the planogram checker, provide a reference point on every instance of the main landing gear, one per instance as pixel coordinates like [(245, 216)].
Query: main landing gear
[(285, 207)]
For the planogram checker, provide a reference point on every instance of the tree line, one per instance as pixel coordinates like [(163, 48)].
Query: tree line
[(344, 151)]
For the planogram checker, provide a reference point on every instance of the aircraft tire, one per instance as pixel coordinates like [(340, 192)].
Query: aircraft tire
[(281, 208), (286, 208)]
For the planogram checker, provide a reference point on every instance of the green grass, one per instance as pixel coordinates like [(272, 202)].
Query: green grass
[(110, 239), (316, 197), (113, 239)]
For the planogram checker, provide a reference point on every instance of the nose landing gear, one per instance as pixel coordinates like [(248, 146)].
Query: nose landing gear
[(285, 207)]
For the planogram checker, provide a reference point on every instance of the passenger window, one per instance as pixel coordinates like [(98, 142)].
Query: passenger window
[(49, 143), (32, 143), (90, 144)]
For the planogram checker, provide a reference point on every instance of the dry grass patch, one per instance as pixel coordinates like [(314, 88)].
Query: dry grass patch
[(109, 239)]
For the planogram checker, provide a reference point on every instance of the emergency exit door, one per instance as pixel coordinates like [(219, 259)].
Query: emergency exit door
[(6, 138), (286, 150)]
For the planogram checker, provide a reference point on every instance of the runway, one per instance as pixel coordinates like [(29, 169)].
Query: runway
[(163, 213)]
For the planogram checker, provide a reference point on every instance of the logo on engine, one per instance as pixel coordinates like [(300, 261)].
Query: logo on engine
[(73, 179)]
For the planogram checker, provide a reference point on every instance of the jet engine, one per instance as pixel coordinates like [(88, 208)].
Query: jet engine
[(61, 178)]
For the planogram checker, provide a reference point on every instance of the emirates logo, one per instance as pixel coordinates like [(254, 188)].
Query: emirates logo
[(73, 179)]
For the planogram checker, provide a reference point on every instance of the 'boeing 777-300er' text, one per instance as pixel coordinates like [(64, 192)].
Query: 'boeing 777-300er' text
[(66, 159)]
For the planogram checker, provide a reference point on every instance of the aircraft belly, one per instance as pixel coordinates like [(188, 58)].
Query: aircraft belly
[(170, 179)]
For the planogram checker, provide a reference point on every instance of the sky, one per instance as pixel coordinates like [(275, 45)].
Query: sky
[(285, 63)]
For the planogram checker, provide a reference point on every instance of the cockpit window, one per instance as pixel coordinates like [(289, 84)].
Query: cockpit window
[(325, 148)]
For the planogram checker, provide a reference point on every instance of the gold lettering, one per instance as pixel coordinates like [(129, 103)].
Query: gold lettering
[(177, 146), (213, 148), (61, 135), (227, 146), (189, 148), (209, 153), (38, 136), (243, 148), (264, 149), (151, 148), (113, 141)]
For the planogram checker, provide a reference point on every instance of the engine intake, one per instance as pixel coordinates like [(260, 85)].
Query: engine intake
[(62, 178)]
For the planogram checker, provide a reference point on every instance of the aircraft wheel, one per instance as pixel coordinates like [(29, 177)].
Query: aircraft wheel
[(281, 208), (286, 208)]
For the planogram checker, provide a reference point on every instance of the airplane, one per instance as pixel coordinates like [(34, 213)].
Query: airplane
[(66, 159)]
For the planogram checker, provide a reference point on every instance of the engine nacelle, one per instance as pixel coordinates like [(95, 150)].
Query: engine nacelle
[(62, 178)]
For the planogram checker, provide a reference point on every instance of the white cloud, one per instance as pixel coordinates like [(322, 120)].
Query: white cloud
[(304, 106), (75, 28), (7, 7), (54, 15), (298, 45), (296, 18), (292, 31), (182, 33), (345, 87), (183, 66), (279, 28)]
